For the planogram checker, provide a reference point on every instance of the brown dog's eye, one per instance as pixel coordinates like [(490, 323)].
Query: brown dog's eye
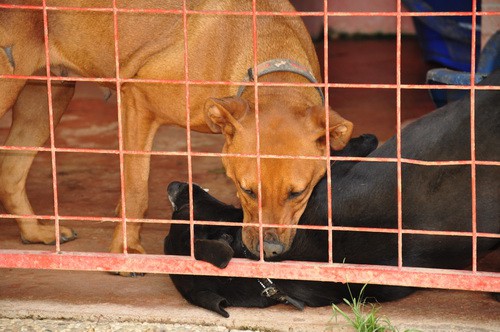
[(295, 194), (249, 192)]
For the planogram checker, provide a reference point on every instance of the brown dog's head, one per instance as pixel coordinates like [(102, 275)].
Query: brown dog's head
[(286, 183)]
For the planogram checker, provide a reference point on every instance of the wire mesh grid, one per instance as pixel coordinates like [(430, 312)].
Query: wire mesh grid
[(330, 271)]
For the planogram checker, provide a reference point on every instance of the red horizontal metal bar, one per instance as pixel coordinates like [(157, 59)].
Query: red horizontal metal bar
[(64, 218), (69, 218), (350, 273), (243, 13), (215, 154), (450, 162), (265, 84), (236, 83), (335, 13)]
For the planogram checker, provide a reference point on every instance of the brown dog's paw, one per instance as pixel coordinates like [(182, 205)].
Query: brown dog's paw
[(134, 245), (135, 248), (46, 234)]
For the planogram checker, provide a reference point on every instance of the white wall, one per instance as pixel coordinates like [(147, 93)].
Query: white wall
[(489, 24)]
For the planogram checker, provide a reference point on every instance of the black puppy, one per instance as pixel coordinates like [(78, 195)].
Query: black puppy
[(218, 244), (364, 194), (214, 244)]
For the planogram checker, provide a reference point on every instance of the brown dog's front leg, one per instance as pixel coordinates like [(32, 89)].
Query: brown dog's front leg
[(30, 127), (138, 129)]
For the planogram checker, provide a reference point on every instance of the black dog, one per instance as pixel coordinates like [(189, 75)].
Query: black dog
[(218, 244), (364, 195)]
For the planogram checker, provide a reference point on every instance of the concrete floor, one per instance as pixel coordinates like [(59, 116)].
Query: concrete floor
[(89, 185)]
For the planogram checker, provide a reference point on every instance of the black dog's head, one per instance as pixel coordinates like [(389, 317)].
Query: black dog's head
[(213, 244), (205, 207)]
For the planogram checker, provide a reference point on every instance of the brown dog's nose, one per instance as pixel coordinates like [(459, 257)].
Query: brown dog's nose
[(272, 244)]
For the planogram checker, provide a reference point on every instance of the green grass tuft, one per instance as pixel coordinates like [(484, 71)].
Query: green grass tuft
[(366, 318)]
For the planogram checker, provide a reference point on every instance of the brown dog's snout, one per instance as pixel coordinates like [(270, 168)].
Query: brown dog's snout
[(272, 244)]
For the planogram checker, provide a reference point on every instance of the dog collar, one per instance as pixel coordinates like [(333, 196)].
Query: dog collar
[(280, 65)]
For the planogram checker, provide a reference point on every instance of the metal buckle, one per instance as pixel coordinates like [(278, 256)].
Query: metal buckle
[(269, 291)]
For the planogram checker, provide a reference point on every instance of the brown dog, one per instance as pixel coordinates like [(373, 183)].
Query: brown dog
[(151, 46)]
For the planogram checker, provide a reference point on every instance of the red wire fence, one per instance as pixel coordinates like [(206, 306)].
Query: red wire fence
[(389, 275)]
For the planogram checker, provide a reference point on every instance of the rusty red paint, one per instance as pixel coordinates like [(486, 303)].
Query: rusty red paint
[(473, 136), (123, 207), (238, 224), (257, 125), (51, 125), (214, 154), (277, 84), (344, 273), (237, 13), (327, 125), (188, 126), (398, 275), (398, 136)]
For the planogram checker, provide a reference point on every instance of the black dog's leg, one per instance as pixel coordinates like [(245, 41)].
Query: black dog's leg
[(211, 301), (216, 252)]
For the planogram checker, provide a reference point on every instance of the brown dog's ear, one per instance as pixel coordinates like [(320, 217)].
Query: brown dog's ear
[(340, 128), (340, 131), (222, 114)]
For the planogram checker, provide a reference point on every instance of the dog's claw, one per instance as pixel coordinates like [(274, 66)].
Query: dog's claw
[(137, 274), (129, 274), (24, 241), (299, 305), (73, 236)]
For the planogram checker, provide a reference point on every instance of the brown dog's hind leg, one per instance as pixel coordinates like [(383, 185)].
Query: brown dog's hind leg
[(30, 127), (139, 128)]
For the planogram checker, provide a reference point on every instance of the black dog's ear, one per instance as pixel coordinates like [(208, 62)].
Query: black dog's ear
[(215, 252), (211, 301), (358, 147)]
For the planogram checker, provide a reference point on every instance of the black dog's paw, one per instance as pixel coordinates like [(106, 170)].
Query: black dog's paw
[(215, 252), (211, 301)]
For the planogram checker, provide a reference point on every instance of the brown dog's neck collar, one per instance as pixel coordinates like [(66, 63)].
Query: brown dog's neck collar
[(280, 65)]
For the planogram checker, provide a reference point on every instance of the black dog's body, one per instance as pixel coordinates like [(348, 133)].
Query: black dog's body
[(364, 194), (218, 244)]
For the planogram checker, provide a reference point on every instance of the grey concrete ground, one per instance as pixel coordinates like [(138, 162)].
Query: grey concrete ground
[(98, 301), (45, 325)]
